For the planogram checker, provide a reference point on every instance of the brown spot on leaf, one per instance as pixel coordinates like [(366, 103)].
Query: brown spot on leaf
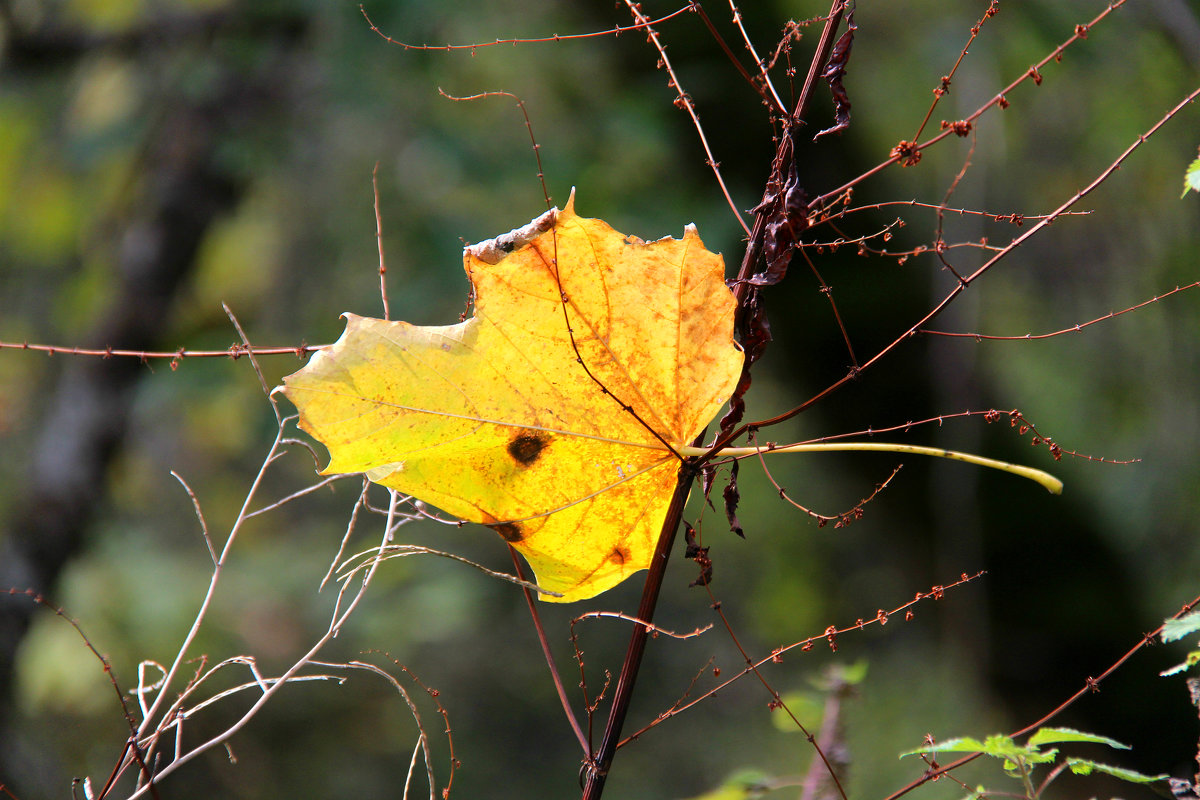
[(511, 531), (619, 555), (526, 447)]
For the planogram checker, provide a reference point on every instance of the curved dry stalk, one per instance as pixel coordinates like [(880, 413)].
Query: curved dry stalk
[(206, 602), (339, 618), (372, 558)]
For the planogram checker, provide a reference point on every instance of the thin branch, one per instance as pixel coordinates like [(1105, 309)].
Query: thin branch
[(233, 353), (908, 153), (978, 273), (537, 148), (829, 635), (379, 241), (199, 515), (1073, 329), (684, 101), (376, 555), (771, 100), (545, 643), (777, 702), (616, 31), (249, 351), (774, 101), (654, 629), (944, 87)]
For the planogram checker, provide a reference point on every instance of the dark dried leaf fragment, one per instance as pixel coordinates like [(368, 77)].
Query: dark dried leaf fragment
[(788, 220), (732, 498), (698, 554), (754, 333), (834, 72)]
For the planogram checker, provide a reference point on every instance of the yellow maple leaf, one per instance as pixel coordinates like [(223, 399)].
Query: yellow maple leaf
[(548, 414)]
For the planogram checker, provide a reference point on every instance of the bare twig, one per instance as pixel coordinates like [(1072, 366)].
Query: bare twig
[(684, 101), (549, 655), (383, 296), (617, 31), (978, 273), (1076, 328), (199, 515)]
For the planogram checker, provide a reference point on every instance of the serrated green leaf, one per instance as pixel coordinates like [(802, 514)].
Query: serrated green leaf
[(1040, 756), (1059, 735), (1175, 629), (1083, 766), (997, 745), (963, 744), (1191, 178)]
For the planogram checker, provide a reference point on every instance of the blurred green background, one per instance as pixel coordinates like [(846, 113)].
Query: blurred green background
[(158, 158)]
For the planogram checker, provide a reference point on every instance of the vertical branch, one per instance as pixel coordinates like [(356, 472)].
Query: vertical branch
[(379, 240), (598, 765), (596, 771), (750, 324)]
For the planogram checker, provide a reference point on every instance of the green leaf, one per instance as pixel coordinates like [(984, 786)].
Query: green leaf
[(744, 784), (1193, 658), (855, 673), (963, 744), (997, 746), (1058, 735), (1175, 629), (1191, 178), (1082, 766)]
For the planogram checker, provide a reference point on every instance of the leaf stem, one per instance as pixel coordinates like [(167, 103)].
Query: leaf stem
[(541, 635), (1041, 477)]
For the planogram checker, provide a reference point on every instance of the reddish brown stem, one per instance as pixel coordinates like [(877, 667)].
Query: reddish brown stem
[(598, 765), (596, 769), (542, 640)]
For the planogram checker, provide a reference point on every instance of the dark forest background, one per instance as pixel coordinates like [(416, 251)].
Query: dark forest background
[(160, 158)]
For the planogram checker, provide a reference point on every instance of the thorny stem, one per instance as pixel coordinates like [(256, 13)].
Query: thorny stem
[(962, 285), (596, 769)]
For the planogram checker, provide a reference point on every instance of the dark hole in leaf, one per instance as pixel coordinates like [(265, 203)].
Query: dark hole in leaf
[(526, 448)]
